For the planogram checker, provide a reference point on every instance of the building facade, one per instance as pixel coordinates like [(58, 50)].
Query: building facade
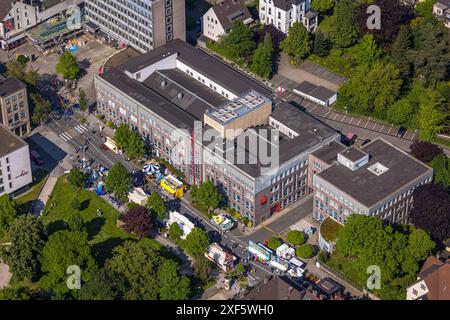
[(441, 10), (219, 19), (377, 180), (140, 24), (14, 111), (204, 117), (284, 13), (19, 16), (15, 165)]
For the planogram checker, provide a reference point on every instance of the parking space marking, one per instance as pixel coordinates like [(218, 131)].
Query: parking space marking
[(382, 127), (390, 130), (343, 118), (358, 122), (336, 116), (374, 125), (326, 114), (415, 132), (314, 107)]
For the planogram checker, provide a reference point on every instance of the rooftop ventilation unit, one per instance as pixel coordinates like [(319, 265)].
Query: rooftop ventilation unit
[(163, 84), (180, 95), (378, 169)]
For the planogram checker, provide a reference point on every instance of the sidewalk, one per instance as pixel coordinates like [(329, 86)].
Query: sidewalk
[(46, 191)]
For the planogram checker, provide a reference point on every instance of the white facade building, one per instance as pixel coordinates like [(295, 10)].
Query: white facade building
[(284, 13), (15, 166)]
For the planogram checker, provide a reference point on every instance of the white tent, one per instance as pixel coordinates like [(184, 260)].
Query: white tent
[(138, 196), (285, 251)]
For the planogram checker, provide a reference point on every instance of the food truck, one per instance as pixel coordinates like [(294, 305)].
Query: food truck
[(222, 258), (173, 186), (223, 222)]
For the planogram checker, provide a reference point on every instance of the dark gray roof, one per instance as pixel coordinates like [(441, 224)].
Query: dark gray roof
[(318, 92), (353, 154), (284, 4), (311, 14), (9, 142), (328, 153), (368, 188), (200, 61), (279, 288), (445, 3), (5, 6), (10, 85), (228, 11), (311, 133)]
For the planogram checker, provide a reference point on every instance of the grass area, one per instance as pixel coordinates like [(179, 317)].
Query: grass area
[(325, 25), (26, 201), (329, 229), (338, 61), (104, 235), (347, 267), (441, 141)]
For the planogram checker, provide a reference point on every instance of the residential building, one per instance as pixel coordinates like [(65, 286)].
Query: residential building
[(140, 24), (15, 165), (213, 123), (377, 179), (433, 281), (279, 288), (219, 19), (17, 17), (441, 10), (14, 112), (284, 13)]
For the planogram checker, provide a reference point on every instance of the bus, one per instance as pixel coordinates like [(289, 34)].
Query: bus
[(223, 259)]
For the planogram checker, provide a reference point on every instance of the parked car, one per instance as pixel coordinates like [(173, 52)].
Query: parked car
[(401, 132), (104, 147), (36, 157), (350, 138)]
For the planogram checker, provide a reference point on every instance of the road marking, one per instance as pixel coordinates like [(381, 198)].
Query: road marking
[(366, 124), (358, 122), (336, 116), (390, 130), (415, 131), (382, 127), (314, 108), (375, 124), (81, 129), (65, 136)]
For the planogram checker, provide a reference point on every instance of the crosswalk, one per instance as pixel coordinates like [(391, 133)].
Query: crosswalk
[(66, 136), (81, 129)]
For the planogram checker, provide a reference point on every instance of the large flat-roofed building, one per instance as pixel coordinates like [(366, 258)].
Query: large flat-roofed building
[(376, 180), (176, 96), (141, 24), (15, 166), (14, 112)]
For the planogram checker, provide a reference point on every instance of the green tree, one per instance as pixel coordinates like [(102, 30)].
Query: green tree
[(297, 44), (202, 268), (206, 195), (82, 101), (431, 118), (399, 52), (27, 240), (239, 269), (441, 166), (425, 9), (371, 90), (156, 205), (75, 222), (305, 251), (196, 242), (62, 250), (103, 285), (75, 203), (138, 264), (42, 108), (118, 181), (135, 146), (172, 286), (175, 232), (274, 243), (10, 294), (239, 42), (67, 66), (76, 178), (296, 237), (16, 70), (8, 211), (263, 57), (367, 51), (321, 45), (344, 32), (22, 59), (322, 5), (122, 136), (400, 113)]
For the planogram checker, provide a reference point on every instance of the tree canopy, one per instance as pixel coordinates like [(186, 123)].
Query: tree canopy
[(62, 250), (425, 151), (238, 43), (344, 32), (28, 236), (8, 211), (297, 44), (305, 251), (118, 181), (67, 66), (42, 108), (138, 221), (196, 242), (296, 237), (172, 286), (206, 195), (262, 58), (76, 178), (156, 205), (130, 141)]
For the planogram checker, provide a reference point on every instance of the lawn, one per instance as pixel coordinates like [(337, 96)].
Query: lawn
[(325, 24), (338, 61), (347, 267), (104, 235), (25, 201)]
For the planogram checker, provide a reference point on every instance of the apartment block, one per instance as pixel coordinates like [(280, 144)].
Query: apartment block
[(377, 179), (441, 10), (15, 166), (213, 123), (14, 112), (284, 13), (140, 24)]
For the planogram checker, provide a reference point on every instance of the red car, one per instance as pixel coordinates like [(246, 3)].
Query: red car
[(104, 147)]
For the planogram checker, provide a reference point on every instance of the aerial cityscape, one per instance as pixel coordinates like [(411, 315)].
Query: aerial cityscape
[(225, 150)]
